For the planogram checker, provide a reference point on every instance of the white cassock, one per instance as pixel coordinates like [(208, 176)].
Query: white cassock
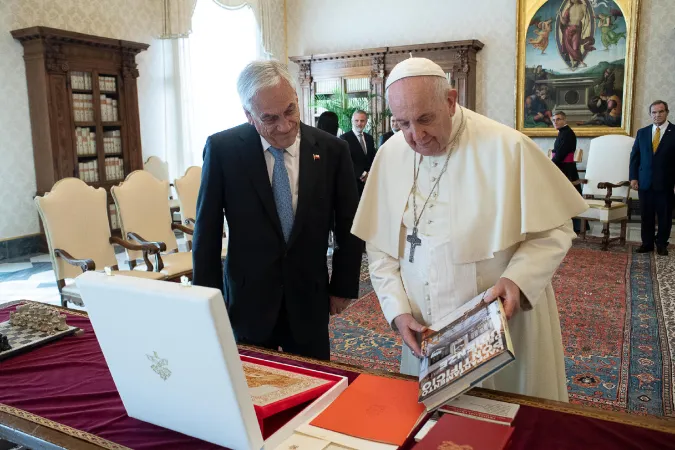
[(502, 209)]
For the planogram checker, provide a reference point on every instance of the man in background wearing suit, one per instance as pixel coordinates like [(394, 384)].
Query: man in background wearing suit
[(278, 182), (361, 147), (394, 128), (652, 174)]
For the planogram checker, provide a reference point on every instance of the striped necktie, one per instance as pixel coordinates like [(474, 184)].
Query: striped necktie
[(363, 144)]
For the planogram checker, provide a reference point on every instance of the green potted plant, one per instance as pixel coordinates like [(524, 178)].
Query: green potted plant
[(344, 106)]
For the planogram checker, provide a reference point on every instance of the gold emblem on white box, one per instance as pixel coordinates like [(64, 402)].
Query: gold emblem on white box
[(160, 366)]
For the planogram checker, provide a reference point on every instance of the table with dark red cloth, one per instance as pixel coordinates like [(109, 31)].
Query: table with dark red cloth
[(64, 393)]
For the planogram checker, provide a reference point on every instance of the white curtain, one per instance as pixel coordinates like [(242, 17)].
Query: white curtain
[(207, 43), (179, 107), (222, 42), (177, 18), (262, 11)]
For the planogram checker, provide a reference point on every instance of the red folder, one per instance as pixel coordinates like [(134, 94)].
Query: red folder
[(374, 408), (453, 431)]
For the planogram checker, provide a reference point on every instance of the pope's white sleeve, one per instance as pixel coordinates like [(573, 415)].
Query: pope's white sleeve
[(385, 274), (536, 260)]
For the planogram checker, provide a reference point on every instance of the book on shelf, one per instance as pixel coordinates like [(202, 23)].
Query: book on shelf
[(83, 107), (112, 142), (114, 218), (108, 109), (456, 432), (106, 83), (114, 168), (461, 350), (85, 142), (80, 80), (88, 171)]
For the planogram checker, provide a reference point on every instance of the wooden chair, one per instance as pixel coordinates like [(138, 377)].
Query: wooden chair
[(75, 220), (143, 207), (160, 170), (605, 186), (187, 188)]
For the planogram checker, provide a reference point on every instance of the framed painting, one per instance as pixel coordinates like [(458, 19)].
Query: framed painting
[(576, 56)]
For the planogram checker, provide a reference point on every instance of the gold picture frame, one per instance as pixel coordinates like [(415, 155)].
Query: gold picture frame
[(577, 56)]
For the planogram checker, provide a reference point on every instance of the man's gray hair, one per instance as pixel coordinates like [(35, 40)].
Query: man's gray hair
[(359, 111), (259, 75), (441, 87), (561, 114)]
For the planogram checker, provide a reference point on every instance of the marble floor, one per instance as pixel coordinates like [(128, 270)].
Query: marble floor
[(32, 277)]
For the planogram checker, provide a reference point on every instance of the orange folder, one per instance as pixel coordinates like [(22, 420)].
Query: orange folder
[(374, 408)]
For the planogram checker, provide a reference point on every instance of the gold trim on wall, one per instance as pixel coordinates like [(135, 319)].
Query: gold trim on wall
[(525, 10)]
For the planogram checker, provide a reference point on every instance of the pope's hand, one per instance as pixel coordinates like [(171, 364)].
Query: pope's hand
[(509, 293), (634, 185), (407, 326), (338, 304)]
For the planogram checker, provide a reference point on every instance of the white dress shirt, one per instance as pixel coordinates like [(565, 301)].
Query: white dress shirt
[(292, 163), (663, 127)]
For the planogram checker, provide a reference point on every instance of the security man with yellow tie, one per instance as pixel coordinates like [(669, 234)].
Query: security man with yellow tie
[(652, 174)]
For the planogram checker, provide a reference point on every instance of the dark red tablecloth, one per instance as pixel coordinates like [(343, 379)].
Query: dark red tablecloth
[(68, 381)]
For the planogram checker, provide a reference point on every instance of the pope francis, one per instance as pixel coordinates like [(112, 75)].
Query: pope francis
[(456, 204)]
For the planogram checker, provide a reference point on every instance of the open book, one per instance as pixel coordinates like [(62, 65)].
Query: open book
[(463, 349)]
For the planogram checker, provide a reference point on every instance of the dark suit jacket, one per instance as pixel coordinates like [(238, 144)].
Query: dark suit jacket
[(653, 170), (361, 161), (566, 143), (385, 137), (262, 272)]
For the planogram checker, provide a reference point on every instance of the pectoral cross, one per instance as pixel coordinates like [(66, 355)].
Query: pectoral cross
[(414, 241)]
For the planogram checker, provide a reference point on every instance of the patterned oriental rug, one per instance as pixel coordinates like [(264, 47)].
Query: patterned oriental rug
[(617, 314)]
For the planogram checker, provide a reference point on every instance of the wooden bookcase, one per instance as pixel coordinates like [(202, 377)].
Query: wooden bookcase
[(317, 72), (83, 103)]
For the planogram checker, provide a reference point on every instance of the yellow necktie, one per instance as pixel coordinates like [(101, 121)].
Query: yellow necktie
[(657, 138)]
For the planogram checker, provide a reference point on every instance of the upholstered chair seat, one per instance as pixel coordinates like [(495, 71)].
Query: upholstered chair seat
[(606, 188), (143, 205), (75, 219)]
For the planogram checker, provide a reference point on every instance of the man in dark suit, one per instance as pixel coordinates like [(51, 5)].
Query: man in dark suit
[(652, 174), (361, 147), (563, 154), (278, 182), (394, 128)]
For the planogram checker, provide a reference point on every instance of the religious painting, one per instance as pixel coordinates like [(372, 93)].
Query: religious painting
[(576, 56)]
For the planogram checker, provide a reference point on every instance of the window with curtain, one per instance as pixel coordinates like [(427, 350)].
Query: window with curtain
[(222, 42)]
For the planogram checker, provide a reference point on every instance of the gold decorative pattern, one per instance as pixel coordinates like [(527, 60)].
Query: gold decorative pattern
[(92, 438), (284, 384), (449, 445), (159, 366)]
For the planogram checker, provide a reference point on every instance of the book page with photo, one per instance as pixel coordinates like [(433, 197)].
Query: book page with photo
[(462, 350)]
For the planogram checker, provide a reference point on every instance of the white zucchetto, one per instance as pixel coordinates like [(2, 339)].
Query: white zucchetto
[(414, 67)]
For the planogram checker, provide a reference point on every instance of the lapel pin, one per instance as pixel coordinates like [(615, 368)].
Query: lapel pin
[(316, 157)]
